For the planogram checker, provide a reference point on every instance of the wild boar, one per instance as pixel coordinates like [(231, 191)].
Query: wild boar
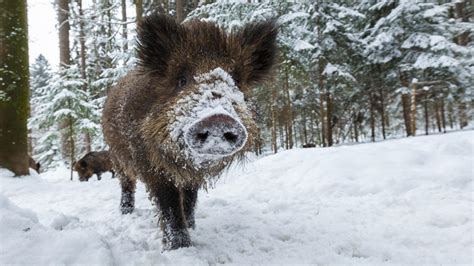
[(95, 162), (178, 119)]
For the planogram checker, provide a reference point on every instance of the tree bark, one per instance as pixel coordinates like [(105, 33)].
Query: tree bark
[(462, 115), (82, 42), (413, 110), (451, 115), (305, 132), (139, 10), (329, 125), (356, 131), (382, 112), (64, 62), (14, 88), (322, 114), (463, 38), (63, 22), (443, 115), (289, 112), (438, 117), (274, 125), (124, 28), (180, 10), (427, 121), (382, 101), (406, 104), (372, 117)]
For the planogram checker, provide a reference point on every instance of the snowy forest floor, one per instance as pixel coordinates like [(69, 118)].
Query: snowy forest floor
[(404, 201)]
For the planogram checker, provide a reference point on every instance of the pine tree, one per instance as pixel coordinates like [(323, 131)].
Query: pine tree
[(40, 77), (61, 100)]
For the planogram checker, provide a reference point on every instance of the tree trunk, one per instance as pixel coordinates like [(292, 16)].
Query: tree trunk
[(406, 103), (258, 142), (180, 10), (305, 132), (372, 117), (382, 111), (464, 37), (64, 62), (82, 42), (406, 113), (329, 125), (438, 117), (281, 135), (139, 10), (273, 112), (443, 115), (427, 121), (63, 24), (413, 110), (462, 115), (289, 111), (14, 87), (124, 29), (451, 115), (322, 114), (356, 131), (311, 127), (71, 140)]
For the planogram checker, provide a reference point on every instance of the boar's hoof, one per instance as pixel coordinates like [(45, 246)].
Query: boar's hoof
[(127, 203), (191, 223), (126, 209), (176, 239)]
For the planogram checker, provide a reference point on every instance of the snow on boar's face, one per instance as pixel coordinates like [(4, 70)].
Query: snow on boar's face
[(201, 121)]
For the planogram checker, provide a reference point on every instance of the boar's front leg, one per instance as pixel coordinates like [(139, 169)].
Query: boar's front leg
[(189, 203), (127, 201), (168, 199)]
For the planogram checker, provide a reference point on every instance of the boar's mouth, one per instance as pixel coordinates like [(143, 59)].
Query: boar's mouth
[(215, 136)]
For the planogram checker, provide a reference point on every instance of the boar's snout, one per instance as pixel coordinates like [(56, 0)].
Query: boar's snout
[(218, 134)]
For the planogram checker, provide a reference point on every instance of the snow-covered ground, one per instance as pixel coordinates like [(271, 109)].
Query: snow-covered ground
[(406, 201)]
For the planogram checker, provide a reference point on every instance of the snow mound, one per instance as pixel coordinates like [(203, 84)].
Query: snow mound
[(398, 202), (26, 241)]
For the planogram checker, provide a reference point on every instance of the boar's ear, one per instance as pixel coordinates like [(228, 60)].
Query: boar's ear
[(258, 43), (158, 36)]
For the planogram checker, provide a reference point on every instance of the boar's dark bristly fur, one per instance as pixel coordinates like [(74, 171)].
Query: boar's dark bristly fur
[(140, 109)]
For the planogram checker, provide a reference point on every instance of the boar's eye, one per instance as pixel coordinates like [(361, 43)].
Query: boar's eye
[(182, 82)]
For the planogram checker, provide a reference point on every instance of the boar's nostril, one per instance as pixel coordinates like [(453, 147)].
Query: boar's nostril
[(216, 95), (230, 137), (202, 136)]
